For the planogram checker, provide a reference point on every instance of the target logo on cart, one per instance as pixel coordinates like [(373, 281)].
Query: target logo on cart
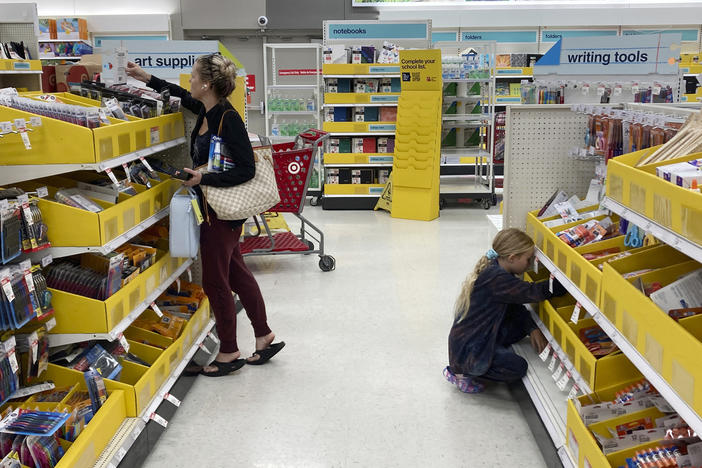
[(294, 167)]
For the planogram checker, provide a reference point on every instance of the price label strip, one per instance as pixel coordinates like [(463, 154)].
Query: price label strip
[(563, 382), (575, 318), (550, 283), (536, 264), (552, 364), (557, 375), (176, 402), (158, 419), (123, 341), (156, 309), (545, 353), (573, 391)]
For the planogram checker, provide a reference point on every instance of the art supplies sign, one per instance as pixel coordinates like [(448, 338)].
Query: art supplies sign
[(420, 70), (627, 55)]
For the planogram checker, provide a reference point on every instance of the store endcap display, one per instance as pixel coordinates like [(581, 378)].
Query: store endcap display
[(390, 53)]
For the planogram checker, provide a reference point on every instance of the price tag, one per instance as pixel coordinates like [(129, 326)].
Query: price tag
[(178, 284), (7, 287), (158, 419), (536, 264), (155, 135), (46, 261), (42, 192), (657, 89), (213, 337), (585, 89), (172, 399), (617, 90), (126, 171), (29, 279), (557, 375), (190, 275), (635, 88), (22, 199), (13, 361), (204, 348), (5, 127), (35, 121), (545, 353), (25, 140), (123, 341), (156, 309), (573, 391), (20, 124), (563, 382), (27, 214), (50, 324), (146, 163), (34, 346), (600, 91), (550, 284), (112, 177), (552, 364), (121, 453), (576, 313)]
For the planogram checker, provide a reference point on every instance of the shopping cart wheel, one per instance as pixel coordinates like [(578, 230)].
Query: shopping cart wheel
[(486, 203), (314, 201), (442, 203), (327, 263)]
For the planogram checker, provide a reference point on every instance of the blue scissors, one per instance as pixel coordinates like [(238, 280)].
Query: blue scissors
[(633, 238)]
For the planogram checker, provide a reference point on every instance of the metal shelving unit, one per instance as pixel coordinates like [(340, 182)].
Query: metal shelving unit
[(19, 23), (279, 88), (467, 171)]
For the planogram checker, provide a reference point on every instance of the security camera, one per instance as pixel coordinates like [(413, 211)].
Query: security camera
[(262, 21)]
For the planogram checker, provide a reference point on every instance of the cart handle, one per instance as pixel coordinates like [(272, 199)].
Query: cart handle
[(314, 136)]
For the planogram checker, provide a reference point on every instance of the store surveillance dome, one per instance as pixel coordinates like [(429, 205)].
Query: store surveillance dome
[(262, 21)]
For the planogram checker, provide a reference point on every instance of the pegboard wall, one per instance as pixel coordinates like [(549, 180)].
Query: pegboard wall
[(538, 141), (17, 32)]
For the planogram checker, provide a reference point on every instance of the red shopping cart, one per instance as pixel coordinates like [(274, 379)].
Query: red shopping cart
[(293, 163)]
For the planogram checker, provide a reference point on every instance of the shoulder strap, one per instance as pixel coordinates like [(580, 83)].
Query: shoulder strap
[(221, 121)]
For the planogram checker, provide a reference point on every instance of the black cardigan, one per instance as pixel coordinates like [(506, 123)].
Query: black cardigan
[(234, 135)]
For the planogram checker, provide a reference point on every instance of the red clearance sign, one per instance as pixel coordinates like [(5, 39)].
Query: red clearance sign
[(251, 83), (299, 72)]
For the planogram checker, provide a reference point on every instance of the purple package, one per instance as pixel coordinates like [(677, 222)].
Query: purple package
[(391, 144), (367, 54)]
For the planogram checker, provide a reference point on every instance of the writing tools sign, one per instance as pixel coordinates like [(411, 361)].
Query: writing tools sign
[(607, 55)]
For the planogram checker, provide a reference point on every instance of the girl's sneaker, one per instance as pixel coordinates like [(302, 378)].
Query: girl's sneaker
[(464, 383)]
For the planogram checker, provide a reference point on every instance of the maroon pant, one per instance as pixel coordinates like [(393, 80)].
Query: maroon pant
[(224, 271)]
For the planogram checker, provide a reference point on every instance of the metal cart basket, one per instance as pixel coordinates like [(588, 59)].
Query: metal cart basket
[(293, 168)]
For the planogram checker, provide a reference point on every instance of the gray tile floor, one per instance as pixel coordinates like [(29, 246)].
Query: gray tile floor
[(359, 383)]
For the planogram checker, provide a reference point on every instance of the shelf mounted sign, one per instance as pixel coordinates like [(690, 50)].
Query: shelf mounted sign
[(608, 55), (421, 70)]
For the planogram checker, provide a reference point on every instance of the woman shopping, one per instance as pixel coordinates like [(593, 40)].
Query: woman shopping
[(212, 81)]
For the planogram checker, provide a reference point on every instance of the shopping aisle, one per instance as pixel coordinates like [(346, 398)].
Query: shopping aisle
[(359, 383)]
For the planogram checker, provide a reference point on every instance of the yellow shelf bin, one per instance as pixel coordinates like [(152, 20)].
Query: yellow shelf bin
[(354, 189), (78, 314), (514, 71), (59, 142), (638, 188), (598, 373), (74, 227), (671, 348), (358, 158), (361, 69), (20, 65), (359, 127), (361, 98)]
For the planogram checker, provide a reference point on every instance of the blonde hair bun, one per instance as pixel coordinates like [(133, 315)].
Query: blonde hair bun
[(220, 72)]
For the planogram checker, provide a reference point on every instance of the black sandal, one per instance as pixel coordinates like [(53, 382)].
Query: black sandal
[(224, 368), (265, 355), (192, 370)]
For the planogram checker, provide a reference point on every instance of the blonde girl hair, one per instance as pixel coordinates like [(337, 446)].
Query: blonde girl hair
[(220, 72), (507, 242)]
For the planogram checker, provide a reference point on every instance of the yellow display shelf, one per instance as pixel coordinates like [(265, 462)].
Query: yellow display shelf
[(21, 66), (58, 142), (598, 373), (691, 68), (583, 445), (81, 315), (358, 158), (74, 227), (505, 72), (361, 69), (353, 189), (359, 127), (361, 98), (638, 189), (671, 348)]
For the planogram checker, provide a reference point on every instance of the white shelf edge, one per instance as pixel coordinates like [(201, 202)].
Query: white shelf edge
[(513, 76), (562, 356), (352, 196), (555, 424), (47, 41), (567, 458), (371, 104), (20, 72), (468, 80), (114, 453), (665, 389), (671, 238), (386, 164), (70, 338), (18, 173), (48, 57), (293, 112), (298, 86)]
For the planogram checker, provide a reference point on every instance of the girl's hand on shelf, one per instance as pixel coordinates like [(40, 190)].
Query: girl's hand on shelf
[(538, 340)]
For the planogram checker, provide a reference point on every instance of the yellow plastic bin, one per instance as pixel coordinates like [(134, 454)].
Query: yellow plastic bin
[(671, 348)]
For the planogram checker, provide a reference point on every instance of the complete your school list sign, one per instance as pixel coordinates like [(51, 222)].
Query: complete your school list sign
[(612, 55)]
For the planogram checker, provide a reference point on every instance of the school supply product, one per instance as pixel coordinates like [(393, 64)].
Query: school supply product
[(250, 198), (30, 422), (96, 388), (76, 199), (11, 234), (185, 219), (589, 232), (98, 359), (18, 300), (683, 293)]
